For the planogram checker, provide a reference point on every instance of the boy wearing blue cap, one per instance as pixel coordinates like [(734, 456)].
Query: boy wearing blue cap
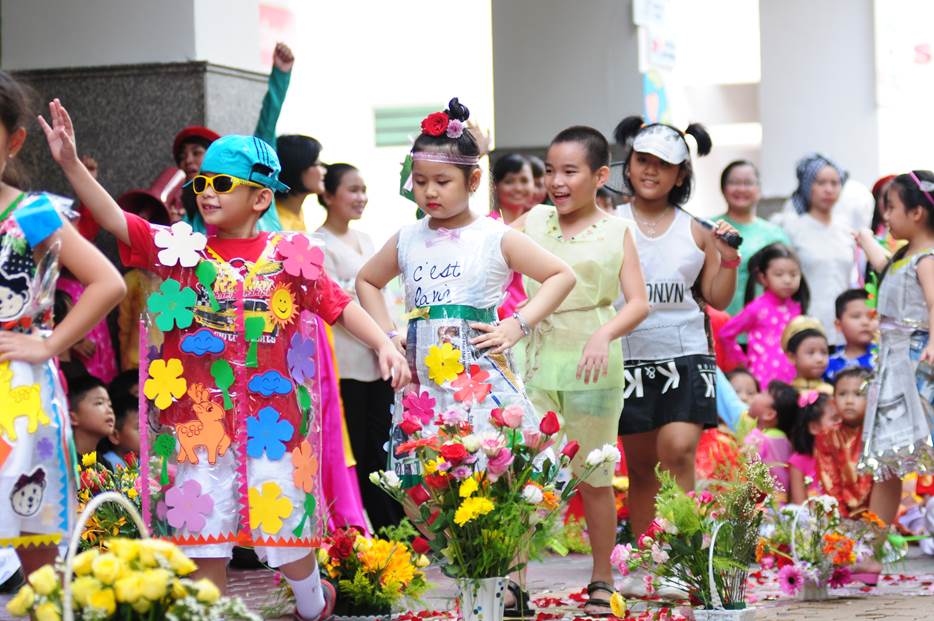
[(234, 393)]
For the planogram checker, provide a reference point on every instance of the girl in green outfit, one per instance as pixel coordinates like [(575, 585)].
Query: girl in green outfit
[(571, 367)]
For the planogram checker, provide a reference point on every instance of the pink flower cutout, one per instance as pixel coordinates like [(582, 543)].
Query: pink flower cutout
[(471, 385), (420, 406), (188, 506), (300, 258)]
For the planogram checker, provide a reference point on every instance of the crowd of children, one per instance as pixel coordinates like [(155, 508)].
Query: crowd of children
[(612, 315)]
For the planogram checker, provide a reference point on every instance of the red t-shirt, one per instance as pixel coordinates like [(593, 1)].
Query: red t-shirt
[(251, 281)]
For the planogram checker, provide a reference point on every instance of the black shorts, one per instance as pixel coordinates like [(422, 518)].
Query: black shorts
[(676, 390)]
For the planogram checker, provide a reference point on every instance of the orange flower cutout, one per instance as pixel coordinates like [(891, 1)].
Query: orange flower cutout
[(305, 463)]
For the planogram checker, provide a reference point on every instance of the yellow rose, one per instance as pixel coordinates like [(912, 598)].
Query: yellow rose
[(44, 580), (422, 561), (132, 493), (128, 589), (107, 568), (178, 590), (618, 605), (142, 605), (207, 592), (48, 612), (323, 556), (84, 561), (155, 583), (89, 459), (151, 549), (103, 600), (181, 564), (83, 588), (126, 550), (19, 606)]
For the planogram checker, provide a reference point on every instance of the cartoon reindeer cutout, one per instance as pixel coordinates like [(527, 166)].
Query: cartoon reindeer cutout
[(17, 402), (208, 431)]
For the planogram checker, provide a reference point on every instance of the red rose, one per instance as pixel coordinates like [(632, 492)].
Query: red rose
[(570, 449), (130, 459), (550, 424), (341, 548), (434, 516), (435, 124), (410, 426), (453, 453), (418, 494), (436, 481), (421, 546)]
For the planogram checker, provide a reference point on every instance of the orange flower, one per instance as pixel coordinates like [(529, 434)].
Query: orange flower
[(762, 548), (550, 500), (840, 548), (305, 463), (871, 518)]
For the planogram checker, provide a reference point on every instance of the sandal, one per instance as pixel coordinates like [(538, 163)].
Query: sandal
[(599, 585), (521, 607), (330, 599)]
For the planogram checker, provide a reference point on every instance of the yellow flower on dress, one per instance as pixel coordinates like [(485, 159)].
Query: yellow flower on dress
[(89, 459), (443, 363), (268, 507), (468, 487), (165, 383), (472, 508)]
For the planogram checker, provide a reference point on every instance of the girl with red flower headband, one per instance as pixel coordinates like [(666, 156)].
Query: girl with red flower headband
[(455, 264)]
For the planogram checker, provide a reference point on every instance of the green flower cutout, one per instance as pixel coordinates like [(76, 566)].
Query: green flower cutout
[(172, 305)]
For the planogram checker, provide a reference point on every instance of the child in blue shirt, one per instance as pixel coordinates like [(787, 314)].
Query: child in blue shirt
[(856, 322)]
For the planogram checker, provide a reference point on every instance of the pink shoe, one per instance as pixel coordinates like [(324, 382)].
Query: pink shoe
[(330, 598), (868, 578)]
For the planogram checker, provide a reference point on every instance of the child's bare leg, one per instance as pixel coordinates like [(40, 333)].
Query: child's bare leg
[(34, 557), (214, 569)]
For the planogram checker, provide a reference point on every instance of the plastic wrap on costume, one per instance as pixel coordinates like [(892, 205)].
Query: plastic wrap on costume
[(37, 498), (900, 405), (232, 433)]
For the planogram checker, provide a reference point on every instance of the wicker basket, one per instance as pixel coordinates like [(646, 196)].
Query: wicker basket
[(68, 612), (718, 612)]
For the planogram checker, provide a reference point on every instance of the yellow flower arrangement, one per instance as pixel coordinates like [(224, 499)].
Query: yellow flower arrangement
[(468, 487), (472, 508), (89, 459), (443, 363), (131, 580)]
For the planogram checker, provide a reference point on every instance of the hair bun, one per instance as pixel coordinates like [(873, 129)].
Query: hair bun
[(704, 143), (457, 110), (627, 129)]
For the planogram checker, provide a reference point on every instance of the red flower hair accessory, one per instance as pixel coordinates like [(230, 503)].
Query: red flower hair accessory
[(435, 124)]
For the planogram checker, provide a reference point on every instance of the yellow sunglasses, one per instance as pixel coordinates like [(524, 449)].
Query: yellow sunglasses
[(222, 184)]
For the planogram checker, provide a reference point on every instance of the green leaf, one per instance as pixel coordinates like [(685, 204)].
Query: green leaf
[(207, 275)]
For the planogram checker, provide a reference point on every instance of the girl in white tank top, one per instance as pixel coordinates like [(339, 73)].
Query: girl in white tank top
[(669, 369)]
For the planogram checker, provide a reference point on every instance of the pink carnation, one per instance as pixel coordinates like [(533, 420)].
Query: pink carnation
[(455, 128)]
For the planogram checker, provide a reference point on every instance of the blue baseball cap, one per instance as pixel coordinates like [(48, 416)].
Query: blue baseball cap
[(245, 157)]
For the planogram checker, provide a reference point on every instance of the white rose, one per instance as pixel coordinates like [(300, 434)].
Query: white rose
[(471, 443), (374, 478), (594, 457), (658, 555), (611, 454), (532, 494), (391, 480)]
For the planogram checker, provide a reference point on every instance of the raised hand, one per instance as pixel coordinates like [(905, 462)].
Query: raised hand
[(283, 58), (61, 134)]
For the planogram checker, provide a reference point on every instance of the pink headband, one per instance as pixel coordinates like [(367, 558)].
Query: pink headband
[(927, 194), (808, 398), (446, 158)]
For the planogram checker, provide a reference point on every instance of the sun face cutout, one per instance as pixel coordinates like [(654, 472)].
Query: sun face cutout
[(282, 309)]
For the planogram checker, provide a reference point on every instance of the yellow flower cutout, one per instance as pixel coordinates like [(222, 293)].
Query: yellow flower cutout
[(444, 363), (89, 459), (267, 508), (472, 508), (165, 382), (468, 487)]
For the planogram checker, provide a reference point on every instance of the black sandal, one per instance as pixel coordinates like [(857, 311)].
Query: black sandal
[(599, 585), (521, 607)]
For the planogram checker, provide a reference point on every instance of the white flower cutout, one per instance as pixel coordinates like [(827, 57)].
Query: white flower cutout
[(180, 245)]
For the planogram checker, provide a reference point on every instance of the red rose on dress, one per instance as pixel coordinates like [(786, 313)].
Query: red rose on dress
[(550, 424), (421, 546), (410, 426), (435, 124), (418, 494), (454, 453)]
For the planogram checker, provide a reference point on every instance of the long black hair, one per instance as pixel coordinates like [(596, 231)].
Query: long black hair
[(759, 264), (802, 440), (627, 130)]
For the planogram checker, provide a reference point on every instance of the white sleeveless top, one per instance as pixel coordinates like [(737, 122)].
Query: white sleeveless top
[(462, 266), (671, 264)]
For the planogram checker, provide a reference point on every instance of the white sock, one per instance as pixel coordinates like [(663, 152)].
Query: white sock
[(309, 597)]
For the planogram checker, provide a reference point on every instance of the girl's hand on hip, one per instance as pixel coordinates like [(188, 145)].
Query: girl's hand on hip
[(23, 347), (500, 336), (928, 354), (595, 359)]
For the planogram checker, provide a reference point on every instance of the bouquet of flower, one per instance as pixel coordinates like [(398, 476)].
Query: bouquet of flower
[(811, 546), (371, 574), (131, 581), (110, 520), (676, 548), (490, 500)]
